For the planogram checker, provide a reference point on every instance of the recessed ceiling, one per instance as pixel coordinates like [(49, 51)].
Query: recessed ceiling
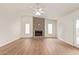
[(51, 10)]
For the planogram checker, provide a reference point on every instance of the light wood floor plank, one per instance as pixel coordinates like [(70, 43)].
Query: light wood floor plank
[(47, 46)]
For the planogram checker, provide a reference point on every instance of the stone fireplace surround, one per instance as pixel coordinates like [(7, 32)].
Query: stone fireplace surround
[(38, 26)]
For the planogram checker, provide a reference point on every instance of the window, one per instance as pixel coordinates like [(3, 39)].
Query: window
[(77, 24), (27, 28), (77, 31), (49, 28)]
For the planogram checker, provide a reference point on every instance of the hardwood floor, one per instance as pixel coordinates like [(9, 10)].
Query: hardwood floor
[(47, 46)]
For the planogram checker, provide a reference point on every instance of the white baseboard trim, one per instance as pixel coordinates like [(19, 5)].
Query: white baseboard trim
[(65, 41), (37, 37), (8, 42), (76, 45)]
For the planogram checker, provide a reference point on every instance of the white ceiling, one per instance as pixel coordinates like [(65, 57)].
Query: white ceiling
[(51, 10)]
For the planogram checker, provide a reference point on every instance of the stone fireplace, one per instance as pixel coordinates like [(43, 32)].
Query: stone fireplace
[(38, 26)]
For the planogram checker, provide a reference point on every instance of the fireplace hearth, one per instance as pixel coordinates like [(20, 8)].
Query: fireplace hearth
[(38, 33)]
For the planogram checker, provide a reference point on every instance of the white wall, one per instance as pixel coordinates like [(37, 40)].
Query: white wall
[(26, 20), (54, 25), (9, 28), (66, 27)]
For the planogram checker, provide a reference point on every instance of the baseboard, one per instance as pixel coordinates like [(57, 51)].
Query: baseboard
[(65, 41), (9, 42), (76, 45), (37, 37), (26, 37)]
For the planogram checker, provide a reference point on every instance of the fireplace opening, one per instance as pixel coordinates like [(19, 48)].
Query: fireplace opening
[(38, 33)]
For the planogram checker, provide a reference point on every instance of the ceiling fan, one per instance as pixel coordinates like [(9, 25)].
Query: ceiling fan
[(38, 10)]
